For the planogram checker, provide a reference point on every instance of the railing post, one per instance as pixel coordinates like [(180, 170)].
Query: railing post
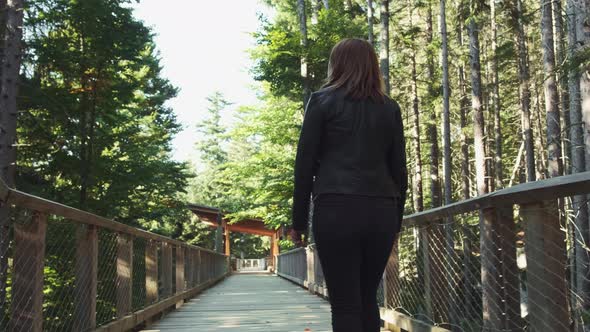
[(124, 274), (510, 273), (166, 270), (151, 272), (198, 267), (491, 273), (204, 266), (188, 261), (546, 262), (179, 269), (435, 285), (86, 277), (27, 284), (499, 272), (309, 253), (390, 276)]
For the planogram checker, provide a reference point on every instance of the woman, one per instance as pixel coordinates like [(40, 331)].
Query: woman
[(351, 160)]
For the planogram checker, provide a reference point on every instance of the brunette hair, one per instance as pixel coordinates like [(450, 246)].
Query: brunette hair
[(354, 68)]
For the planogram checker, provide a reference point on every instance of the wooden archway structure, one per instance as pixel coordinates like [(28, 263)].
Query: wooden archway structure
[(215, 218)]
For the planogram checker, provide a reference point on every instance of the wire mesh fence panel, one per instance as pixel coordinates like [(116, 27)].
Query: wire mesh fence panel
[(106, 301), (59, 276), (63, 269), (6, 263), (578, 259), (139, 273)]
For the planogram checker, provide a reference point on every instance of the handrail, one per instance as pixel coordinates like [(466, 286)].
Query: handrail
[(13, 196), (568, 185), (141, 274)]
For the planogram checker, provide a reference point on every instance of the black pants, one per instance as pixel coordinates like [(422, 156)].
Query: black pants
[(354, 236)]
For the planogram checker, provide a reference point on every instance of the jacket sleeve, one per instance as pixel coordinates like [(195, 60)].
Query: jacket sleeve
[(305, 162), (399, 169)]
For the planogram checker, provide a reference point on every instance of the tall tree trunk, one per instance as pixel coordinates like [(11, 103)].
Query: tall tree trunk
[(447, 161), (384, 44), (417, 189), (9, 75), (550, 89), (539, 141), (464, 105), (315, 8), (435, 186), (432, 133), (579, 109), (446, 114), (370, 15), (304, 44), (524, 92), (476, 104), (495, 100), (562, 79)]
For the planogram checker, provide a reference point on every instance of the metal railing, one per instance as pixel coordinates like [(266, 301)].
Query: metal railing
[(64, 269), (512, 260), (302, 266)]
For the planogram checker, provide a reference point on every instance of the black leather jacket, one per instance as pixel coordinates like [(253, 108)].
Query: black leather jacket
[(349, 147)]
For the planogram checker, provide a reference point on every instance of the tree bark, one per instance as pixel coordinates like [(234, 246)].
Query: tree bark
[(384, 45), (446, 117), (304, 44), (431, 128), (476, 105), (417, 189), (562, 79), (315, 8), (370, 15), (464, 105), (524, 92), (495, 100), (9, 75), (580, 275), (554, 167), (326, 4)]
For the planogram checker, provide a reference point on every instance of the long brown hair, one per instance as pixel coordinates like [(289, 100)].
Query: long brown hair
[(354, 68)]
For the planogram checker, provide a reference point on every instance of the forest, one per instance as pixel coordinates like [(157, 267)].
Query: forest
[(493, 94)]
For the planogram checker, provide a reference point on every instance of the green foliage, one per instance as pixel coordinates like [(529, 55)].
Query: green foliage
[(94, 130), (278, 52), (264, 176)]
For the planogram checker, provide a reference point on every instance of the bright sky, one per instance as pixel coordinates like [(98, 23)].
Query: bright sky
[(203, 46)]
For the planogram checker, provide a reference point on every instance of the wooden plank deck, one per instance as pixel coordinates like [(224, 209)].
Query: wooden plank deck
[(250, 302)]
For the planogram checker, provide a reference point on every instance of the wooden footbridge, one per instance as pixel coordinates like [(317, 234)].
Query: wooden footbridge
[(506, 261)]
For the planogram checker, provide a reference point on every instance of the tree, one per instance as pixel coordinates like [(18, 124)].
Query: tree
[(524, 89), (431, 127), (562, 79), (211, 147), (446, 118), (496, 99), (384, 44), (579, 87), (476, 104), (464, 108), (417, 187), (10, 64), (304, 45), (370, 15), (96, 133), (550, 89)]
